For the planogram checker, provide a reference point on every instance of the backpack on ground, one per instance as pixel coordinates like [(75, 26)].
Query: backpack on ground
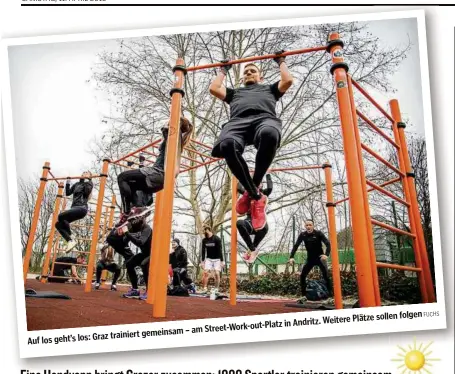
[(316, 290), (178, 291)]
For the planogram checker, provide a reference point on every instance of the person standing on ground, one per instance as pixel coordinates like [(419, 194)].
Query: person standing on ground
[(313, 240), (212, 258)]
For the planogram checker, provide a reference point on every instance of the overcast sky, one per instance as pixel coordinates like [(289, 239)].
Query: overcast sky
[(56, 112)]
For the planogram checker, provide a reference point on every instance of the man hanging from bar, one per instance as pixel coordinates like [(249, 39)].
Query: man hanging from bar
[(253, 121), (149, 179), (81, 192), (313, 240), (246, 229)]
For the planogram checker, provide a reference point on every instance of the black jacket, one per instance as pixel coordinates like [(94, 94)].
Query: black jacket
[(313, 244), (178, 258), (81, 192)]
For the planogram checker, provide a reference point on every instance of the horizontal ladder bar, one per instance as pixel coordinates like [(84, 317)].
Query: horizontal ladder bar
[(389, 194), (377, 129), (397, 267), (384, 161), (372, 101), (391, 228), (371, 189)]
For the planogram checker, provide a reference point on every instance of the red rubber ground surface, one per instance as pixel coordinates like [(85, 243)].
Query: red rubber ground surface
[(104, 308)]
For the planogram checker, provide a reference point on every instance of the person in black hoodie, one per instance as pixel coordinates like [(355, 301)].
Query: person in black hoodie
[(81, 192), (178, 259), (313, 240), (140, 234), (245, 226), (149, 179)]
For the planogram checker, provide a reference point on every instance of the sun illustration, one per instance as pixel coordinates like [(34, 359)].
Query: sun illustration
[(415, 359)]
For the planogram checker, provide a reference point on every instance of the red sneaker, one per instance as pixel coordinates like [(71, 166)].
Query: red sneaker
[(258, 216), (243, 204)]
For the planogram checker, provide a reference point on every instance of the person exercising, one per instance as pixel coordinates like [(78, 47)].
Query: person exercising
[(149, 179), (313, 240), (253, 121), (212, 258), (140, 234), (107, 262), (246, 230), (62, 265), (81, 192), (178, 259)]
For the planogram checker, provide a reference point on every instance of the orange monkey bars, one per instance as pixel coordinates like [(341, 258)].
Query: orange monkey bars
[(52, 244), (366, 265)]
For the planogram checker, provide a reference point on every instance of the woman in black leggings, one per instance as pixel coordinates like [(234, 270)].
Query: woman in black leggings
[(149, 179), (81, 192), (246, 230)]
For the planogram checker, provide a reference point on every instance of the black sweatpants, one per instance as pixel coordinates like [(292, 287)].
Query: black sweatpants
[(264, 133), (180, 275), (57, 273), (112, 267), (312, 262), (132, 181), (246, 230), (120, 245), (131, 264), (65, 218)]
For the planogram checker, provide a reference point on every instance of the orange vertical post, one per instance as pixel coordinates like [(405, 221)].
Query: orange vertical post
[(415, 241), (154, 251), (366, 202), (103, 235), (96, 226), (111, 217), (359, 226), (57, 242), (36, 212), (333, 237), (233, 264), (411, 197), (164, 234), (50, 241)]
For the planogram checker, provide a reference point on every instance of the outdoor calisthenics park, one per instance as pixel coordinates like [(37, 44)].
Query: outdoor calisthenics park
[(359, 188)]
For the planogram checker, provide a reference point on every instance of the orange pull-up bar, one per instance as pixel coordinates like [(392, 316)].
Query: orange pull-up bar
[(257, 58), (77, 177)]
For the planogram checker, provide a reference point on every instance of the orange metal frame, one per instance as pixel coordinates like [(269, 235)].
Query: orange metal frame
[(366, 265)]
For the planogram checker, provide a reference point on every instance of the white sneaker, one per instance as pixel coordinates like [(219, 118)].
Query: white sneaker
[(113, 287), (70, 246), (97, 286)]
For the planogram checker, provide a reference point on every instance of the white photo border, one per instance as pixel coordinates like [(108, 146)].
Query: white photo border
[(226, 337)]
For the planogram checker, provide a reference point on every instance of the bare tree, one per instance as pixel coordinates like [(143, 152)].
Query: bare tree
[(28, 191), (138, 79)]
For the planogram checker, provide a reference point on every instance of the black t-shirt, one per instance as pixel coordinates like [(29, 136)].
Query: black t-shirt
[(81, 192), (313, 244), (211, 248), (67, 260), (178, 258), (253, 99)]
